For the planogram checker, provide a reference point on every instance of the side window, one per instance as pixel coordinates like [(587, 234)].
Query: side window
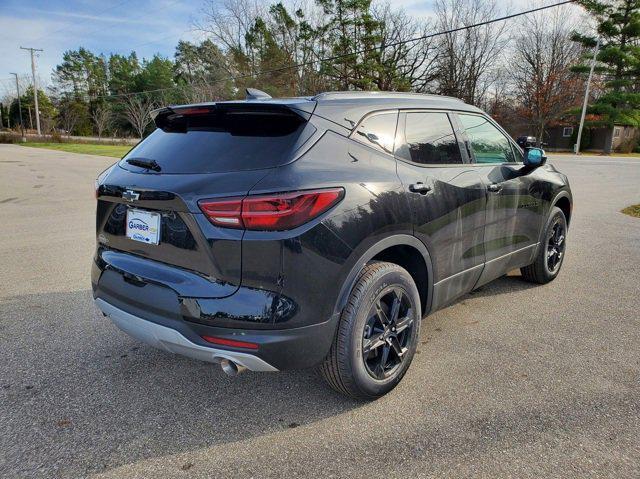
[(429, 139), (518, 157), (378, 131), (488, 143)]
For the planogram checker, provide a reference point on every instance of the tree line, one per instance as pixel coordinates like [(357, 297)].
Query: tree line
[(528, 72)]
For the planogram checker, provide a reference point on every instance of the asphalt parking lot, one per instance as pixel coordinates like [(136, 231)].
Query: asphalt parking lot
[(514, 380)]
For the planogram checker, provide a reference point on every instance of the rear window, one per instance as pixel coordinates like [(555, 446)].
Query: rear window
[(221, 142), (378, 131)]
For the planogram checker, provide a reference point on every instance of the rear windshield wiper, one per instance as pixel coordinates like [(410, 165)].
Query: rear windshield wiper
[(148, 164)]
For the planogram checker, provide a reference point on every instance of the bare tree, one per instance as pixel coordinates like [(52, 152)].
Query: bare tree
[(46, 124), (203, 72), (404, 66), (137, 110), (545, 86), (102, 118), (228, 22), (203, 90), (467, 57), (70, 113)]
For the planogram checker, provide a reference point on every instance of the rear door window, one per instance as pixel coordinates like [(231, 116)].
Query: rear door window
[(429, 139), (488, 143), (224, 142), (378, 131)]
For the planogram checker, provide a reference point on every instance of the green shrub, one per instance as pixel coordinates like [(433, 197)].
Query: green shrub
[(56, 137), (627, 145), (585, 140)]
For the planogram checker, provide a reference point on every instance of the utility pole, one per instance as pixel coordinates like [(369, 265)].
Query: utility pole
[(35, 86), (19, 106), (576, 148)]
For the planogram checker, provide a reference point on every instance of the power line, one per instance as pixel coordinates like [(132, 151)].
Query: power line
[(357, 52), (423, 37), (23, 77)]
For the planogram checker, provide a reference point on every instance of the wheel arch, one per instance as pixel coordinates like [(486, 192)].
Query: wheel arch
[(564, 201), (402, 249)]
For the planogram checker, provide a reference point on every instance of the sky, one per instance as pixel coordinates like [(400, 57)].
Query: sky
[(110, 26)]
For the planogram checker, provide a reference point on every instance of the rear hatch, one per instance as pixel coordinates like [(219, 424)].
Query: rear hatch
[(148, 202)]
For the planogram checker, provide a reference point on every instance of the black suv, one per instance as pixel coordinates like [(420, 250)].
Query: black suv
[(272, 234)]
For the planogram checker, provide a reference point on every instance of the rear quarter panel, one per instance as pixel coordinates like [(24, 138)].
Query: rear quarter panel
[(313, 261)]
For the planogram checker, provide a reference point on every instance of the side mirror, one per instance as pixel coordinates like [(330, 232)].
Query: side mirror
[(534, 157)]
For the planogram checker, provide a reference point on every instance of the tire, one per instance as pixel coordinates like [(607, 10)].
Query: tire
[(368, 375), (551, 250)]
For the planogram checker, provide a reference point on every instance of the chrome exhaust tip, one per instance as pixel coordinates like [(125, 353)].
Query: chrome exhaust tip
[(230, 368)]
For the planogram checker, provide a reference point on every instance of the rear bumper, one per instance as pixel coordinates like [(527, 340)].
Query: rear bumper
[(280, 349), (172, 341), (153, 303)]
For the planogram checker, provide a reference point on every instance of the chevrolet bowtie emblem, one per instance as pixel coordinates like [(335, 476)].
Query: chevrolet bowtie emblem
[(129, 195)]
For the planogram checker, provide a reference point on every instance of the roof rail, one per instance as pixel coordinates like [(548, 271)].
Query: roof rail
[(332, 95), (255, 94)]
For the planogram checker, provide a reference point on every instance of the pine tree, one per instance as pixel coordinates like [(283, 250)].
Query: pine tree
[(618, 60), (351, 29)]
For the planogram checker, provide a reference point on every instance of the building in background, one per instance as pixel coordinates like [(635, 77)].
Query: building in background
[(619, 138)]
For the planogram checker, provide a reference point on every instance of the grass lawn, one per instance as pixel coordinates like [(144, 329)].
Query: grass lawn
[(627, 155), (633, 210), (594, 153), (116, 151)]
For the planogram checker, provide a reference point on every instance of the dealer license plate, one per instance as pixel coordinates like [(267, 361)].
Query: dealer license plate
[(143, 226)]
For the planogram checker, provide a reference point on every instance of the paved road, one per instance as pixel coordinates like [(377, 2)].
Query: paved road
[(512, 381)]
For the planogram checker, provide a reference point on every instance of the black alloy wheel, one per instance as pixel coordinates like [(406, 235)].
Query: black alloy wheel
[(377, 335), (551, 251), (555, 245), (387, 333)]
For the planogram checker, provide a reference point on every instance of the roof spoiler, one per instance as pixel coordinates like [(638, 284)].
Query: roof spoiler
[(175, 118)]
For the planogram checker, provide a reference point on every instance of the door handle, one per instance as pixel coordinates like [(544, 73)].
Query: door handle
[(419, 187), (494, 187)]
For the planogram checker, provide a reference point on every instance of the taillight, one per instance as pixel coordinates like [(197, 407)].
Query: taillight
[(274, 212), (287, 210), (227, 212)]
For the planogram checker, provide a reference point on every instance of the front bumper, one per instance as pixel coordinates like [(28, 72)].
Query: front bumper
[(171, 340)]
